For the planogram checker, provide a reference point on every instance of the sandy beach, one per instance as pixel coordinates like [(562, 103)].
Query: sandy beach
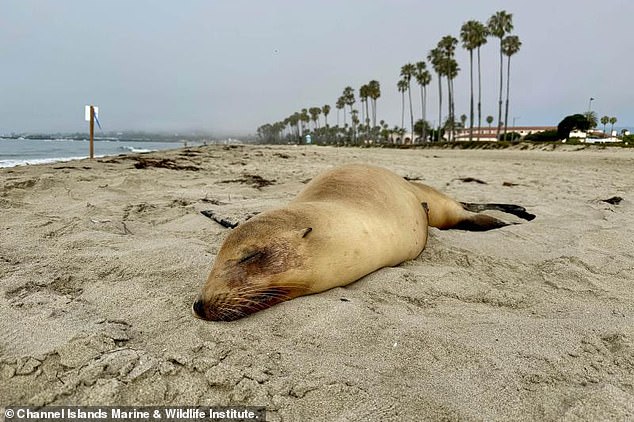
[(100, 262)]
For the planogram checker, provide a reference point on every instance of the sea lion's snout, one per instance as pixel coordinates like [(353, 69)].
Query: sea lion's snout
[(225, 307), (215, 309), (198, 309)]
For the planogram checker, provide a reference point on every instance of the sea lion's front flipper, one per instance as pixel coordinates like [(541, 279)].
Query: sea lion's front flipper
[(229, 222), (222, 221)]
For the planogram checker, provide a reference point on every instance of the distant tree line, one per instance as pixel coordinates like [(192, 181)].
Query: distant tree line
[(360, 123)]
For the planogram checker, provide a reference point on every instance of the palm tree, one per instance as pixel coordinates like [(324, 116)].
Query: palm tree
[(452, 73), (287, 122), (489, 121), (435, 57), (375, 93), (364, 94), (304, 119), (510, 46), (612, 121), (314, 115), (348, 97), (500, 24), (355, 122), (349, 100), (423, 78), (363, 97), (402, 87), (325, 109), (407, 72), (604, 121), (482, 34), (278, 129), (339, 105), (473, 35), (463, 120), (294, 121), (447, 46)]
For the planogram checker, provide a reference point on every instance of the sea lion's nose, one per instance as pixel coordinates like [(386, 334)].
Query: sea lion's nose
[(198, 308)]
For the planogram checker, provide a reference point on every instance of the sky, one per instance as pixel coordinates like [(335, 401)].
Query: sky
[(229, 66)]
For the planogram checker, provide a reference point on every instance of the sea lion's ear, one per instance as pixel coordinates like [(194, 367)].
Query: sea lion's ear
[(306, 231)]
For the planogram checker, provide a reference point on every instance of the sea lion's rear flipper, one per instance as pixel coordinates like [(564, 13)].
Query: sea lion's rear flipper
[(479, 223), (516, 210)]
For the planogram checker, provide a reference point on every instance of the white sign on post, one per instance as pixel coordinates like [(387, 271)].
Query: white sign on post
[(87, 112)]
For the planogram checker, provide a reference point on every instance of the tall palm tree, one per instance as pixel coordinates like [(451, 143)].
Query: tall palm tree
[(375, 93), (278, 128), (423, 78), (367, 111), (604, 121), (500, 24), (348, 97), (402, 87), (326, 110), (448, 44), (304, 119), (287, 122), (612, 121), (349, 100), (452, 73), (355, 122), (314, 115), (363, 96), (339, 105), (473, 35), (482, 34), (435, 57), (294, 121), (407, 73), (510, 45)]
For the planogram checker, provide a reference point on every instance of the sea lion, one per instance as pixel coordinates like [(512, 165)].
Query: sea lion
[(345, 224)]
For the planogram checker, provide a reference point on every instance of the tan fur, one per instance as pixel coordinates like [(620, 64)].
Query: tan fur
[(346, 223), (444, 212)]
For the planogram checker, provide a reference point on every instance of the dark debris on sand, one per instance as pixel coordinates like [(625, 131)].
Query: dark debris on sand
[(471, 180), (615, 200), (166, 163), (254, 180)]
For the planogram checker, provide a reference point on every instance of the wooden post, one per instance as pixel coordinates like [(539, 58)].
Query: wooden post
[(92, 132)]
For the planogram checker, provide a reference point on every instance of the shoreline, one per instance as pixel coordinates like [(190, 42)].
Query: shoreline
[(33, 152), (463, 145)]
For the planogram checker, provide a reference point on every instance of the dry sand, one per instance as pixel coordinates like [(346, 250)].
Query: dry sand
[(100, 262)]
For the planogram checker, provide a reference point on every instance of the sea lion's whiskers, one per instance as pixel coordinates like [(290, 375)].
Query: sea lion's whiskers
[(261, 301), (255, 294), (281, 287), (230, 313)]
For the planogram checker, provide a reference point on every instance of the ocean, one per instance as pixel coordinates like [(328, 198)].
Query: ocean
[(16, 152)]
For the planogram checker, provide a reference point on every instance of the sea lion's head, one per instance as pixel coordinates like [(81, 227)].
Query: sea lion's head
[(261, 263)]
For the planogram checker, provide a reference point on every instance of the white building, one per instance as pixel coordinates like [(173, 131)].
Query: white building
[(488, 133)]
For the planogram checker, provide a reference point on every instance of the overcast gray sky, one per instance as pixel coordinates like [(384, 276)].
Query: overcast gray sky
[(228, 66)]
